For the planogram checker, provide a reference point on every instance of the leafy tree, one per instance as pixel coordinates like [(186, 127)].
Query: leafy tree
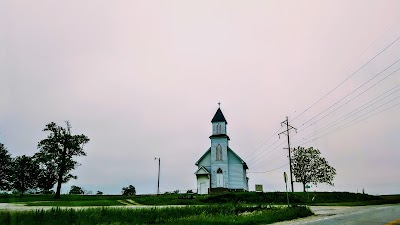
[(61, 147), (75, 190), (24, 174), (309, 167), (5, 168), (131, 190), (47, 172), (99, 193)]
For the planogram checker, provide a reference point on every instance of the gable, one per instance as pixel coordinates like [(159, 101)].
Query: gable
[(233, 156), (202, 170), (205, 158)]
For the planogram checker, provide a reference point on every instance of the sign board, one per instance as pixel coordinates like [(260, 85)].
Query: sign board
[(259, 188), (285, 177), (308, 186)]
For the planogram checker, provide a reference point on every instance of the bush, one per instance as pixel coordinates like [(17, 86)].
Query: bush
[(75, 190), (130, 190)]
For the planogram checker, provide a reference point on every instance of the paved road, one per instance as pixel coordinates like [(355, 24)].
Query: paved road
[(337, 215)]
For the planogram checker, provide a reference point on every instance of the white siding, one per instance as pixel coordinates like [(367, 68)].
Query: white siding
[(206, 161), (216, 164), (236, 172)]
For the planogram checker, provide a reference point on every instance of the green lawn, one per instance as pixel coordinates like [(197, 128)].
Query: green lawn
[(169, 215)]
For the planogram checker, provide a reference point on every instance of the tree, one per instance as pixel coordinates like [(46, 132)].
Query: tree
[(310, 167), (61, 147), (5, 168), (75, 190), (24, 174), (129, 190), (99, 193), (47, 172)]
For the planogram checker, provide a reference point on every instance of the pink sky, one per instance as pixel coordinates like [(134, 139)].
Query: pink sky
[(142, 79)]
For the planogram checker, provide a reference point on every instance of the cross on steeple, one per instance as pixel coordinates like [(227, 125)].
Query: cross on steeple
[(219, 104)]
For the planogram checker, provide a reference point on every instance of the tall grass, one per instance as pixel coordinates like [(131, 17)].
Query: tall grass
[(313, 198), (295, 198), (168, 215)]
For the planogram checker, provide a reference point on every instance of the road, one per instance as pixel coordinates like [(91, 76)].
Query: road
[(340, 215)]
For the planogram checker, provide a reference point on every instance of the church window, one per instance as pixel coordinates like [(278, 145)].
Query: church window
[(219, 170), (219, 152)]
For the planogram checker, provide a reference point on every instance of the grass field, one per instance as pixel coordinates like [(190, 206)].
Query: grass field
[(225, 208), (269, 198), (170, 215)]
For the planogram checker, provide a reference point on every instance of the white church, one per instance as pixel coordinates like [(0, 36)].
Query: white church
[(220, 168)]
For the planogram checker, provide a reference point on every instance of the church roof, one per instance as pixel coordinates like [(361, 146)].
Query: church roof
[(219, 136), (202, 170), (219, 117)]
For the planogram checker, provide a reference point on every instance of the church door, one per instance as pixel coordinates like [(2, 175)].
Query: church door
[(203, 189), (220, 178)]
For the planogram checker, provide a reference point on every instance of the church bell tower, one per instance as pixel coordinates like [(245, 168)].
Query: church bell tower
[(219, 151)]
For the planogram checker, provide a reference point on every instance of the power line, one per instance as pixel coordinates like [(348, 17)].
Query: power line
[(341, 83), (356, 111), (256, 157), (348, 124), (263, 143), (348, 100), (353, 91), (313, 134), (269, 153), (271, 170), (273, 156)]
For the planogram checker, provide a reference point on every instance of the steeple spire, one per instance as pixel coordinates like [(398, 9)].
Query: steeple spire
[(219, 117)]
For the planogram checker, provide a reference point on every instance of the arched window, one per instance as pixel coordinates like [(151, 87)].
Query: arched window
[(218, 129), (219, 170), (219, 152)]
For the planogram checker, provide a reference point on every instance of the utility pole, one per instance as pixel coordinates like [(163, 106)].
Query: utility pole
[(158, 183), (286, 132)]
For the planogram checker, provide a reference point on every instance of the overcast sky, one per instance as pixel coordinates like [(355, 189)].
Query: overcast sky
[(142, 79)]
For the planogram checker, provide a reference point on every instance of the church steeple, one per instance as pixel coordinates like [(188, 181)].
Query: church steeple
[(219, 124), (219, 117)]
